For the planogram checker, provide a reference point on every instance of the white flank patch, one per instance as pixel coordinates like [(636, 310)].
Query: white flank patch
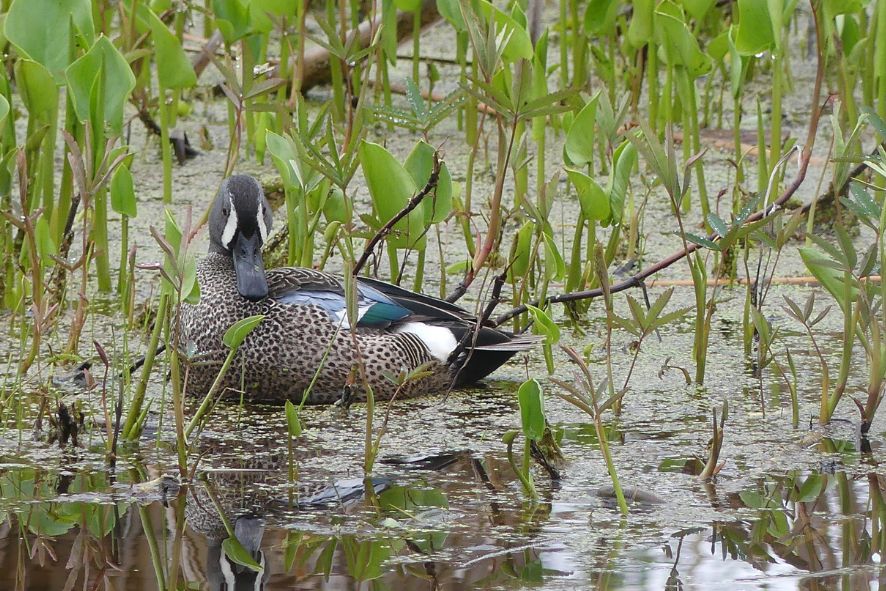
[(230, 225), (439, 341), (262, 228)]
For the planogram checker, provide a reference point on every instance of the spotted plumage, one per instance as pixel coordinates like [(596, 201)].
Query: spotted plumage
[(305, 339)]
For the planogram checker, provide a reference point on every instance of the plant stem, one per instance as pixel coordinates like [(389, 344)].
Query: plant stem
[(131, 429)]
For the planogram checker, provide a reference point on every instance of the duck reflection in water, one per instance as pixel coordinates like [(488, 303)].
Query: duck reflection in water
[(215, 508), (223, 574)]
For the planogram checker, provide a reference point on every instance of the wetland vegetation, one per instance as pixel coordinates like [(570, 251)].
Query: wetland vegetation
[(683, 199)]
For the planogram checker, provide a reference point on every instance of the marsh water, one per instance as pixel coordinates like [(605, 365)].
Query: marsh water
[(791, 508)]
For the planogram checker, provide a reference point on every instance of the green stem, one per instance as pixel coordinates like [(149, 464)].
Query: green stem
[(610, 465), (165, 146), (130, 428), (525, 478), (416, 38), (153, 549), (394, 264), (879, 52), (700, 347), (124, 251), (775, 119), (210, 396), (419, 271), (564, 47), (335, 70)]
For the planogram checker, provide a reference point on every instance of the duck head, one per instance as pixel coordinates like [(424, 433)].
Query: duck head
[(238, 227)]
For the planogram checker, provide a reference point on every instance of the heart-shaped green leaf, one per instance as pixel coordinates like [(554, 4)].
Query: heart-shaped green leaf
[(45, 30), (532, 409), (391, 187), (105, 71), (122, 192), (579, 148), (593, 199)]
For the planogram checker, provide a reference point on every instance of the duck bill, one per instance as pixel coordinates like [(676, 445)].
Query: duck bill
[(249, 267)]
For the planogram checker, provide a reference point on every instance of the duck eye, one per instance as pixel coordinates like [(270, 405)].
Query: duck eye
[(225, 211)]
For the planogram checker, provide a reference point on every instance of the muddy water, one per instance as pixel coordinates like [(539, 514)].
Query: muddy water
[(791, 508)]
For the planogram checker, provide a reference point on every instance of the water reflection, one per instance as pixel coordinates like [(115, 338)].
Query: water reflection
[(457, 521)]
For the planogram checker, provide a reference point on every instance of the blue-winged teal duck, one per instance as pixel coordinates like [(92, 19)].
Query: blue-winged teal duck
[(305, 331)]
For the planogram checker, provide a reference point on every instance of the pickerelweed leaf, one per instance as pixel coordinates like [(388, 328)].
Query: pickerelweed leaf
[(532, 410), (555, 266), (37, 89), (293, 423), (522, 250), (640, 26), (451, 11), (122, 192), (44, 30), (102, 69), (337, 208), (545, 325), (752, 499), (678, 45), (232, 17), (600, 16), (810, 489), (4, 108), (420, 163), (624, 159), (391, 187), (697, 9), (238, 331), (755, 32), (174, 69), (190, 288), (593, 200), (579, 147)]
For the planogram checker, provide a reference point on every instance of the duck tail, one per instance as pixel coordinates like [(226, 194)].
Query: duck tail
[(491, 349)]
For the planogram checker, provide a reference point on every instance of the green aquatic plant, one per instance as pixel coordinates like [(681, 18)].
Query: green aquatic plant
[(662, 159), (294, 430), (844, 273), (584, 395), (533, 424)]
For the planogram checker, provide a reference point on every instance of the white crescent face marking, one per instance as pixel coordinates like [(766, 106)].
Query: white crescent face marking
[(230, 225), (262, 228)]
